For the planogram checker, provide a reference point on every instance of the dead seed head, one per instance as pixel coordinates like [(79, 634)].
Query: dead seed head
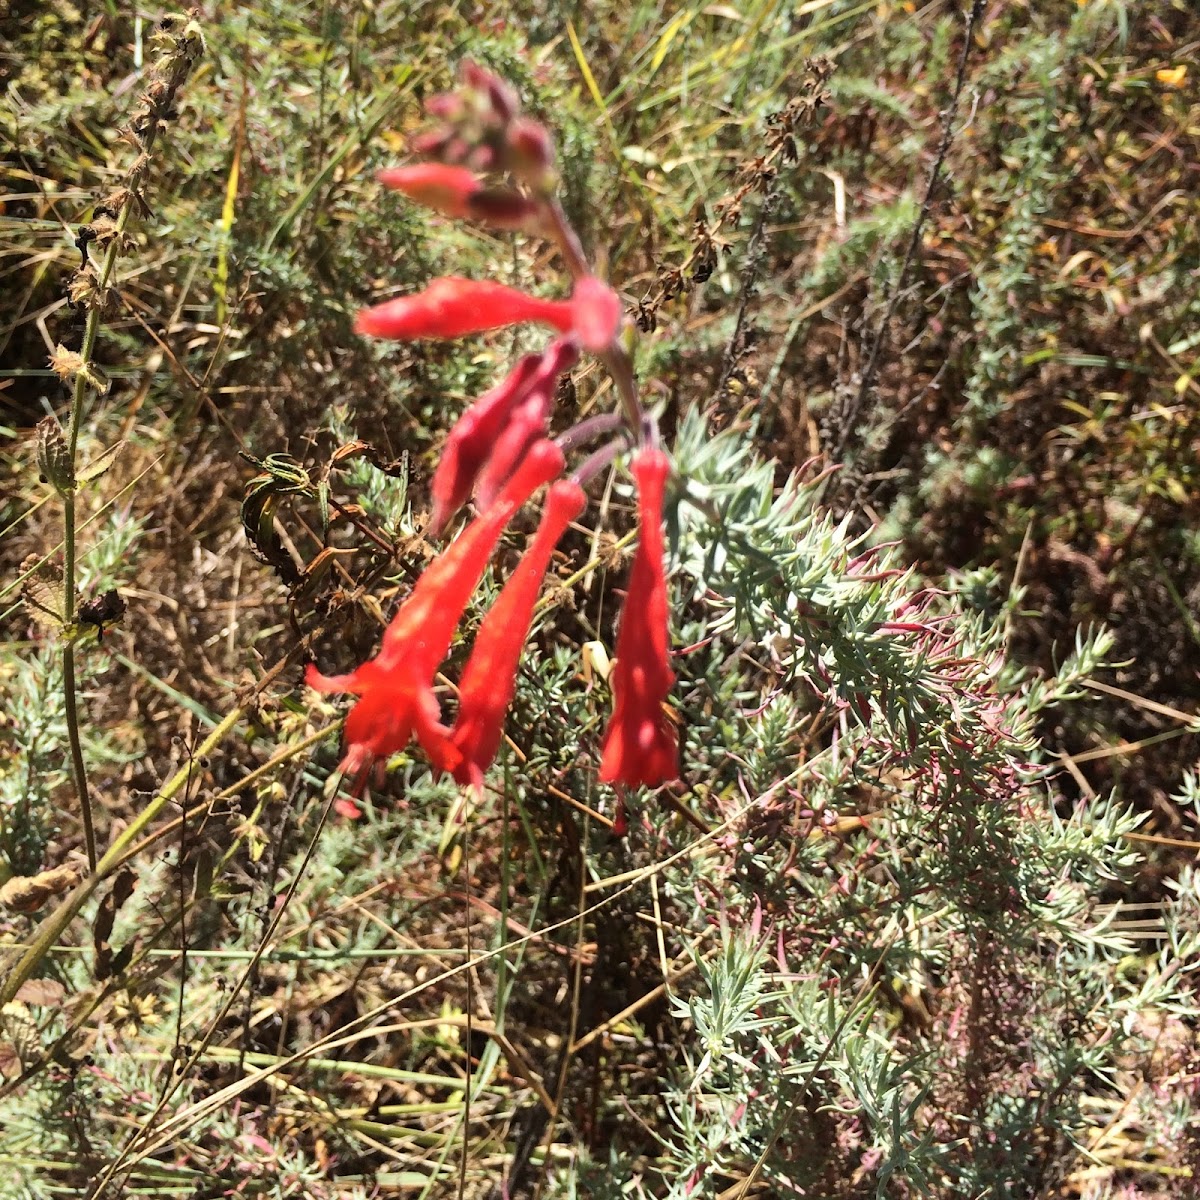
[(66, 364)]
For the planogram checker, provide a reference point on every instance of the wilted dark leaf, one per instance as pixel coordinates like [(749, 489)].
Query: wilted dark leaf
[(106, 962)]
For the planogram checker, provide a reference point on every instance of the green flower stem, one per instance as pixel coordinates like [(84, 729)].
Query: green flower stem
[(616, 358), (78, 770)]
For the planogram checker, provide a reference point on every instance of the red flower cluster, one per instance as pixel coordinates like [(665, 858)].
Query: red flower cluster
[(499, 452), (480, 124)]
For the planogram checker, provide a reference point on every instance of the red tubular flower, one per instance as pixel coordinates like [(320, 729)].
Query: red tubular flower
[(395, 689), (453, 307), (444, 188), (489, 680), (395, 700), (433, 610), (527, 423), (639, 744), (597, 313), (492, 436), (472, 439)]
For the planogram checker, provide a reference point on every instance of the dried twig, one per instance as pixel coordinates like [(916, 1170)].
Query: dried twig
[(849, 415)]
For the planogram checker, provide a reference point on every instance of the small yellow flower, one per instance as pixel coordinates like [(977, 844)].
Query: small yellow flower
[(1172, 77)]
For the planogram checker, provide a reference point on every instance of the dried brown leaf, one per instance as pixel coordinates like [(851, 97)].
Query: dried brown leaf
[(48, 993), (42, 593), (10, 1061), (27, 893), (100, 463)]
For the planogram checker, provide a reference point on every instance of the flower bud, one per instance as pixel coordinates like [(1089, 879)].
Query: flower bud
[(531, 153), (447, 106), (503, 208), (500, 101), (432, 143)]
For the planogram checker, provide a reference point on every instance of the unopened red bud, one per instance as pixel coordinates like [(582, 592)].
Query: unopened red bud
[(456, 192), (496, 98), (432, 144), (472, 74), (504, 102), (444, 105), (479, 79), (530, 151), (457, 149), (503, 208), (481, 157)]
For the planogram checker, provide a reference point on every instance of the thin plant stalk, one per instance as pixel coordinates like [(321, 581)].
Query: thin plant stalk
[(182, 49), (615, 358), (90, 333)]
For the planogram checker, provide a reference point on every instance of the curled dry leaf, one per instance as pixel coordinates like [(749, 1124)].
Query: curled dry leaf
[(53, 456), (10, 1061), (100, 463), (27, 893)]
